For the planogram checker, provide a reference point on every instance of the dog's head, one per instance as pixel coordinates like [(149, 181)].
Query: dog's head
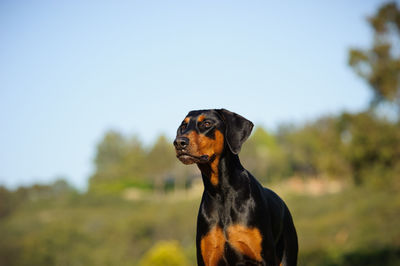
[(205, 134)]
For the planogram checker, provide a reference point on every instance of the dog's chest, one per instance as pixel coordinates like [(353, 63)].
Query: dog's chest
[(234, 244), (231, 237)]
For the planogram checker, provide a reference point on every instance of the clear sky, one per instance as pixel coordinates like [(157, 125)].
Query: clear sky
[(71, 70)]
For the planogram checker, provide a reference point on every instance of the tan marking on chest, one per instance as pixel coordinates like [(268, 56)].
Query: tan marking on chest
[(246, 240), (212, 246)]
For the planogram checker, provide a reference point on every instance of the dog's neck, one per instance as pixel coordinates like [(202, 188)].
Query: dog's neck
[(222, 174)]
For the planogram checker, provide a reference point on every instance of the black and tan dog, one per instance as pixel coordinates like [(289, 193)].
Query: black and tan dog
[(239, 221)]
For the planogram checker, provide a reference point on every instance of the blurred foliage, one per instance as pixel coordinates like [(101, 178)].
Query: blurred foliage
[(315, 149), (353, 148), (164, 253), (119, 162), (123, 162), (379, 66), (347, 147), (356, 226), (264, 157), (372, 148)]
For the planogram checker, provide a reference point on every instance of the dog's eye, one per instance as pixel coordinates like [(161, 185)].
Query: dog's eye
[(207, 124)]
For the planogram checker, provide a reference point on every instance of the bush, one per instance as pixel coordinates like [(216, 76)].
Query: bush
[(164, 253)]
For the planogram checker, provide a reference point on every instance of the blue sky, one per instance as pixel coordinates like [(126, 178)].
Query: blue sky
[(70, 71)]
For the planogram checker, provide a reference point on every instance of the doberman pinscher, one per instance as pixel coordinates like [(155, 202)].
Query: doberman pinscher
[(239, 221)]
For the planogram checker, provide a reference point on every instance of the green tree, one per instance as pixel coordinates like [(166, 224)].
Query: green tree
[(264, 156), (6, 202), (315, 149), (110, 152), (371, 146), (161, 160), (379, 66), (120, 162)]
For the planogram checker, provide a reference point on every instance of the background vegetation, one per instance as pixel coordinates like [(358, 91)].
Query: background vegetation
[(339, 174)]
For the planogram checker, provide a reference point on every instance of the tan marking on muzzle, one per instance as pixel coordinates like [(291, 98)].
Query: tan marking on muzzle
[(200, 144)]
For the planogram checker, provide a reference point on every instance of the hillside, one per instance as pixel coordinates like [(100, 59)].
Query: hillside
[(353, 226)]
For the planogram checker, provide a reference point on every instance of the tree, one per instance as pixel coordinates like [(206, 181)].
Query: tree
[(120, 162), (161, 159), (379, 66), (371, 146), (315, 149), (264, 156), (6, 202)]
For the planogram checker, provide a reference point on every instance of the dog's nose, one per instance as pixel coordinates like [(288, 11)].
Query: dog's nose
[(181, 142)]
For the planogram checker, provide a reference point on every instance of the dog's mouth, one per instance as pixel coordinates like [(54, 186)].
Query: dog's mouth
[(188, 158)]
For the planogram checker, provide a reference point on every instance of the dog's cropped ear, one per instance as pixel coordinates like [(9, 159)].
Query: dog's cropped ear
[(237, 129)]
